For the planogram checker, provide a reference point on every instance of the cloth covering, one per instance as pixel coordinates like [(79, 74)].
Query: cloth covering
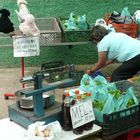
[(6, 26)]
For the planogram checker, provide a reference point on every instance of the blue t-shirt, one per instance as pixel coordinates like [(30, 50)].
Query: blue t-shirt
[(119, 46)]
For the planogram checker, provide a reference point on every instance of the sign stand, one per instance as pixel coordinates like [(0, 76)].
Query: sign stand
[(25, 46), (22, 70)]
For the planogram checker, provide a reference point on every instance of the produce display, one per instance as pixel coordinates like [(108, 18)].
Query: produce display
[(74, 23), (107, 97)]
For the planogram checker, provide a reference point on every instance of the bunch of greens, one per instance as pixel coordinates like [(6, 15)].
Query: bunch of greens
[(130, 103), (98, 104), (116, 93)]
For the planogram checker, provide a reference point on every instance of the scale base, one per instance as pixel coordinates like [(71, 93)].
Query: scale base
[(25, 117)]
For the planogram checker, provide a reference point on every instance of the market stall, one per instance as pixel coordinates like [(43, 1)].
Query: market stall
[(17, 132), (83, 111)]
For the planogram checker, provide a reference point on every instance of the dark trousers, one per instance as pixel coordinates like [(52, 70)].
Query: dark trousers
[(127, 70)]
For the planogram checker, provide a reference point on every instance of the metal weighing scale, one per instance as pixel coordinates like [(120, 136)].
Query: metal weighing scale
[(61, 77)]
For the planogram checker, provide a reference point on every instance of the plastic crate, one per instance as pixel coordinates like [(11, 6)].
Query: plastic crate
[(131, 135), (129, 29), (74, 36), (136, 83), (122, 120), (48, 65), (58, 71), (50, 30)]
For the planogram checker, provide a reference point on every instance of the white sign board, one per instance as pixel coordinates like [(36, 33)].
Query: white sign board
[(26, 46), (82, 113)]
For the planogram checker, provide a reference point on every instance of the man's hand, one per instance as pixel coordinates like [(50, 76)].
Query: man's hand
[(88, 72)]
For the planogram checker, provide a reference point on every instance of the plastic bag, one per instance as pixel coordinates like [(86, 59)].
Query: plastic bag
[(70, 25), (125, 12), (100, 80), (109, 106), (93, 85), (127, 99), (82, 23), (103, 104), (102, 22), (76, 23), (127, 16), (86, 83), (137, 16), (40, 131)]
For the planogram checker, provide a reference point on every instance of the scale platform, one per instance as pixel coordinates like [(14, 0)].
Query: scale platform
[(26, 117)]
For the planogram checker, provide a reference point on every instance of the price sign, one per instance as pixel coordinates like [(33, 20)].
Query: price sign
[(82, 113), (26, 46)]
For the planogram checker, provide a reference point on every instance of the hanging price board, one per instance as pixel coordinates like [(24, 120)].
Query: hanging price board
[(82, 113), (26, 46)]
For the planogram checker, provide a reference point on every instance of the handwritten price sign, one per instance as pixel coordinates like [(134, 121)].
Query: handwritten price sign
[(26, 46), (82, 113)]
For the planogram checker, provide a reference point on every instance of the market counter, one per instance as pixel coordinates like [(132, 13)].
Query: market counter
[(10, 130)]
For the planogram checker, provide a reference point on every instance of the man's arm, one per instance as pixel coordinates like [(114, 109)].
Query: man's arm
[(109, 62), (102, 61)]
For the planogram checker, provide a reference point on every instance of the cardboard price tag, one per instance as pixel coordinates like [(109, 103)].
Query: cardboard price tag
[(82, 113), (26, 46)]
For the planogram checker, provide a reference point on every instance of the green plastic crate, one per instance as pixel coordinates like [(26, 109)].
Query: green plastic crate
[(121, 122), (74, 36)]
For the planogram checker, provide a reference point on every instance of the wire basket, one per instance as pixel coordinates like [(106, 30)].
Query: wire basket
[(50, 31)]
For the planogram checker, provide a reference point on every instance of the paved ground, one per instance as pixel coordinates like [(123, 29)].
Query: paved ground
[(9, 83)]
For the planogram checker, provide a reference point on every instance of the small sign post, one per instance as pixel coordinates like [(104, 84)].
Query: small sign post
[(82, 113), (24, 46)]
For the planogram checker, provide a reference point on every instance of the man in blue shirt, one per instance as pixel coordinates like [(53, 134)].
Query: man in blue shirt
[(115, 46)]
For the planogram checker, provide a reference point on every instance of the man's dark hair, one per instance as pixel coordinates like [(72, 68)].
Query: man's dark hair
[(97, 33)]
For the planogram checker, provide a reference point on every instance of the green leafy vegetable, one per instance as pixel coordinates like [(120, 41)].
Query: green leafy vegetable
[(130, 103), (98, 104), (98, 82), (117, 93)]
